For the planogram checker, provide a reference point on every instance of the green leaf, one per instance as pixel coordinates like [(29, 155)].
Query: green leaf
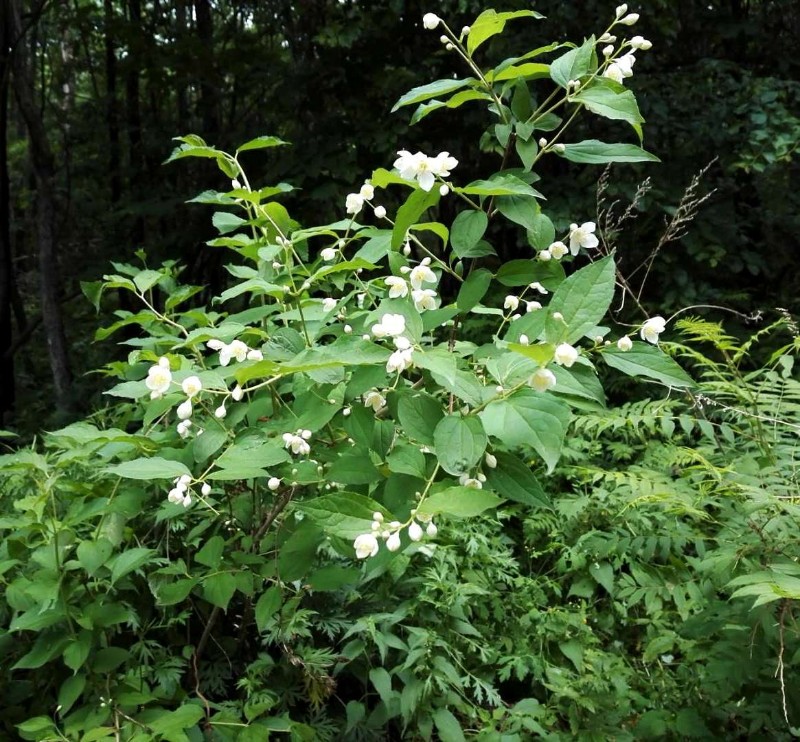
[(583, 300), (149, 468), (344, 514), (473, 289), (460, 502), (218, 589), (226, 222), (529, 419), (574, 64), (512, 479), (169, 723), (128, 561), (77, 651), (175, 592), (145, 280), (267, 606), (460, 442), (573, 651), (406, 459), (419, 415), (431, 90), (467, 230), (595, 152), (383, 684), (353, 469), (542, 233), (211, 553), (500, 185), (646, 360), (409, 213), (262, 143), (70, 691), (93, 554), (490, 23), (611, 101), (521, 210)]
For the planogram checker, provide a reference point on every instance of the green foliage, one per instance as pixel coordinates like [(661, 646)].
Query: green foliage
[(314, 507)]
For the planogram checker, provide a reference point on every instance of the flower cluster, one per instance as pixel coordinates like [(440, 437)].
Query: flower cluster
[(621, 67), (368, 544), (297, 442), (424, 169), (236, 350), (423, 298)]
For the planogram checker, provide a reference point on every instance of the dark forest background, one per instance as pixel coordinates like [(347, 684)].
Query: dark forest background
[(92, 91)]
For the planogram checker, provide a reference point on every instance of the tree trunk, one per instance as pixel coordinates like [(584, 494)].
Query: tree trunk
[(43, 168), (134, 113), (7, 386)]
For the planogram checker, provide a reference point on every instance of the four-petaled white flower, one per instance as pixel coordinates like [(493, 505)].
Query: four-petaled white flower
[(558, 250), (424, 169), (159, 378), (620, 68), (430, 21), (328, 304), (422, 273), (424, 299), (367, 192), (565, 355), (398, 288), (624, 343), (652, 328), (542, 380), (399, 361), (298, 442), (191, 386), (511, 302), (328, 254), (353, 203), (237, 349), (443, 163), (582, 236), (375, 400), (366, 545), (391, 325)]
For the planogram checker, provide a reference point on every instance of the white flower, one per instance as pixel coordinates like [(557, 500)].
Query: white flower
[(391, 325), (366, 545), (380, 212), (375, 400), (353, 203), (175, 496), (220, 412), (466, 481), (536, 286), (367, 192), (215, 344), (652, 328), (430, 21), (328, 254), (444, 189), (273, 483), (545, 255), (532, 306), (237, 349), (328, 304), (582, 236), (237, 393), (206, 489), (159, 378), (639, 42), (431, 530), (399, 361), (511, 302), (393, 542), (422, 274), (565, 355), (398, 288), (402, 343), (624, 343), (629, 19), (183, 428), (298, 442), (542, 380), (558, 250), (417, 167), (443, 163), (191, 386), (185, 410), (620, 68), (255, 355), (424, 299)]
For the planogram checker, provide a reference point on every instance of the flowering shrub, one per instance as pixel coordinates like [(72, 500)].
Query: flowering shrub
[(324, 409)]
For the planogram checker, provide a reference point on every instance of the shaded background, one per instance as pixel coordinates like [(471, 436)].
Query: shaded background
[(92, 91)]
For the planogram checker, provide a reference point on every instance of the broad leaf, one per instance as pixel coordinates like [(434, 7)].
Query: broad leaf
[(595, 152), (461, 502), (460, 443), (646, 360)]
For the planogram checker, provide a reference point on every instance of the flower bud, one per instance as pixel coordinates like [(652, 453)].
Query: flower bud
[(431, 530), (491, 460), (444, 189), (220, 412), (185, 410), (624, 343), (465, 31), (406, 249), (393, 542), (444, 39), (543, 142), (237, 393), (621, 10), (608, 50), (273, 483), (415, 531), (206, 489), (430, 21), (380, 212), (559, 148), (629, 19)]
